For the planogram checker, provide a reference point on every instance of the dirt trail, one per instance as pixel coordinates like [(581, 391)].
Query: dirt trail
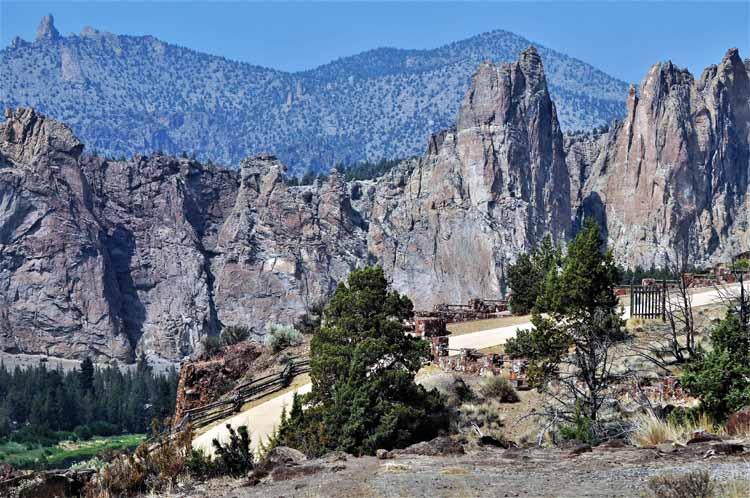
[(261, 420)]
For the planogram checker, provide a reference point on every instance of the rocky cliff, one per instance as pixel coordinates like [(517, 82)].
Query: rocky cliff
[(445, 226), (111, 258), (670, 182)]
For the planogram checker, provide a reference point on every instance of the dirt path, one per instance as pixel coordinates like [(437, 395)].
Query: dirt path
[(261, 420)]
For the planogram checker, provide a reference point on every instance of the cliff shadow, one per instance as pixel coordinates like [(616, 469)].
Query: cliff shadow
[(592, 207), (131, 310)]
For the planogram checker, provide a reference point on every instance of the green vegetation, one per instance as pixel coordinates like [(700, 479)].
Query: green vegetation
[(67, 451), (363, 365), (368, 170), (742, 264), (279, 337), (721, 377), (234, 334), (526, 275), (500, 389), (81, 404), (581, 317), (155, 467)]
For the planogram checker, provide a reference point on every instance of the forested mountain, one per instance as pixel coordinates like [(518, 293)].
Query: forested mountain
[(128, 94)]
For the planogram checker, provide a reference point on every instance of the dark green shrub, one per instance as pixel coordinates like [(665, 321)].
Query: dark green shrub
[(234, 458), (499, 389), (719, 378), (84, 432), (211, 345), (102, 428), (200, 466), (580, 430), (234, 334)]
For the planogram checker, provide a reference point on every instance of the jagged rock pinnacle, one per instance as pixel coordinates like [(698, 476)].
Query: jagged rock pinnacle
[(46, 30)]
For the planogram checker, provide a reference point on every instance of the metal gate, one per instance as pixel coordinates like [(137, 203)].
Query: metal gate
[(648, 301)]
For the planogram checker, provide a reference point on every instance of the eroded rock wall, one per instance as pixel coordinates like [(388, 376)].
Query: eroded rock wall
[(110, 258), (670, 182)]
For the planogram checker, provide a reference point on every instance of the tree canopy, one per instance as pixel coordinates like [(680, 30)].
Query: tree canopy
[(721, 377)]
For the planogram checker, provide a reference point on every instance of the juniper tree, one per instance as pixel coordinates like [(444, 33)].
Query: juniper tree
[(569, 348), (362, 368)]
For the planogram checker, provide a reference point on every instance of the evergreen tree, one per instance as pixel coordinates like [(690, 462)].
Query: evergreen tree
[(362, 367), (568, 348), (720, 378), (526, 277), (86, 374)]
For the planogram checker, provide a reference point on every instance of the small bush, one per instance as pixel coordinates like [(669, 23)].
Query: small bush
[(463, 392), (200, 466), (234, 458), (211, 345), (582, 428), (279, 337), (83, 432), (234, 334), (500, 389), (693, 485)]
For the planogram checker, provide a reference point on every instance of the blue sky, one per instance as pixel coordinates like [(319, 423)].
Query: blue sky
[(621, 38)]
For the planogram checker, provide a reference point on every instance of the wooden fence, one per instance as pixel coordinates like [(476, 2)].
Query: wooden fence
[(241, 394), (648, 301)]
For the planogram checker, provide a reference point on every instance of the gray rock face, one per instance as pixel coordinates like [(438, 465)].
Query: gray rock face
[(110, 258), (281, 249), (670, 182), (46, 30), (445, 226)]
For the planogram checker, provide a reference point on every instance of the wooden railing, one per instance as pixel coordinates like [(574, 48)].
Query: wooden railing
[(254, 389)]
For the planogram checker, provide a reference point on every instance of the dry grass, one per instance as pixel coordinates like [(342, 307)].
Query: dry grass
[(396, 467), (454, 472), (735, 489), (460, 328), (693, 485), (650, 430)]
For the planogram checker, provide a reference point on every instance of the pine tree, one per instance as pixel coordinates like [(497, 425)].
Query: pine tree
[(86, 374)]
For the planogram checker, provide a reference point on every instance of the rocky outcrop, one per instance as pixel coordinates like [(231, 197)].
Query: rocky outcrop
[(281, 249), (670, 182), (103, 257), (445, 226), (110, 258), (56, 293), (46, 30)]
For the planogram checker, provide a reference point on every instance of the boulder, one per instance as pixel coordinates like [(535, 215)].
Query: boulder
[(702, 436), (283, 455), (440, 446)]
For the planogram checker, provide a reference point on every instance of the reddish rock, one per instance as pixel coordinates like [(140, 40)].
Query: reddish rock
[(739, 422), (202, 382)]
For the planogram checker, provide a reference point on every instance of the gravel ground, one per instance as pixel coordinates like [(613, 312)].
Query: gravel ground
[(485, 473)]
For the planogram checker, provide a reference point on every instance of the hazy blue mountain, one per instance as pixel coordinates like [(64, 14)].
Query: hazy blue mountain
[(127, 94)]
